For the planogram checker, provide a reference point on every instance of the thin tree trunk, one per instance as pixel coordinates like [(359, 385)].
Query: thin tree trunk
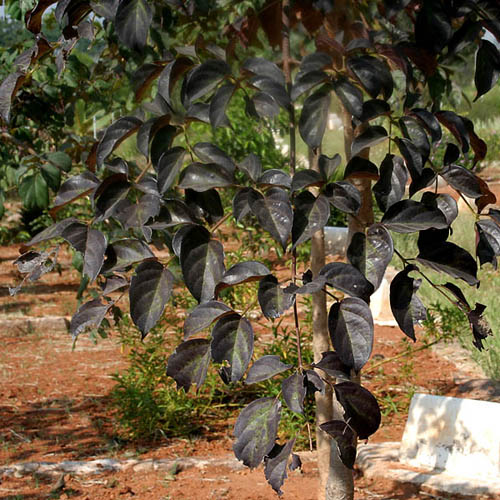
[(321, 343)]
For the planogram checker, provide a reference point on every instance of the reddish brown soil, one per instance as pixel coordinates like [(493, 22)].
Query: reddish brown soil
[(54, 406)]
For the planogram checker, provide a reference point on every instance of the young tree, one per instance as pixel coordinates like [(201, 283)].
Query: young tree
[(391, 80)]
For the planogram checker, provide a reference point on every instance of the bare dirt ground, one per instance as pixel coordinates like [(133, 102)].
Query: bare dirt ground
[(54, 406)]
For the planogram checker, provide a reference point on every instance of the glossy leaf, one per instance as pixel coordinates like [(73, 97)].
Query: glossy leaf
[(413, 158), (272, 88), (243, 272), (150, 289), (310, 215), (114, 135), (350, 96), (241, 203), (75, 186), (53, 231), (132, 21), (276, 463), (347, 279), (373, 74), (344, 196), (294, 391), (487, 68), (203, 315), (443, 202), (265, 367), (444, 256), (251, 166), (408, 216), (109, 194), (350, 324), (488, 245), (361, 409), (204, 78), (406, 306), (328, 166), (232, 341), (390, 188), (360, 168), (314, 383), (430, 122), (8, 89), (306, 81), (255, 431), (371, 253), (345, 439), (210, 153), (88, 315), (169, 166), (202, 177), (202, 263), (416, 133), (313, 118), (188, 364), (274, 212), (432, 19), (125, 252), (273, 300), (456, 125), (306, 178), (331, 364), (261, 66), (218, 105), (275, 177), (369, 138)]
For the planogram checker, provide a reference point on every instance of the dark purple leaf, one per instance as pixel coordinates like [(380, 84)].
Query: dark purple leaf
[(373, 74), (328, 166), (406, 306), (347, 279), (251, 166), (369, 138), (345, 439), (75, 186), (350, 96), (313, 118), (360, 168), (123, 253), (150, 289), (390, 188), (232, 341), (362, 412), (218, 105), (344, 196), (276, 464), (265, 367), (294, 391), (114, 135), (202, 263), (203, 315), (88, 315), (188, 364), (255, 430), (202, 177), (273, 300), (350, 324), (275, 177), (210, 153), (205, 78), (371, 253), (274, 212), (409, 216), (169, 166), (488, 245), (306, 178), (241, 204), (310, 215), (332, 365)]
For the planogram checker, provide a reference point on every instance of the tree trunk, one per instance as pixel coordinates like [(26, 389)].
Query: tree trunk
[(335, 480)]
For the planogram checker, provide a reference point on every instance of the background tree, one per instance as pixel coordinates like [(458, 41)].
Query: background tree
[(392, 82)]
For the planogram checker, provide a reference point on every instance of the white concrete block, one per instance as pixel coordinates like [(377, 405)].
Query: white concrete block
[(460, 436)]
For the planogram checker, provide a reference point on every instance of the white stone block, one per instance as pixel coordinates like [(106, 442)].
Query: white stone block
[(460, 436)]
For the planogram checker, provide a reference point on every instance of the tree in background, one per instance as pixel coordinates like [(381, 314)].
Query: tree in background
[(188, 63)]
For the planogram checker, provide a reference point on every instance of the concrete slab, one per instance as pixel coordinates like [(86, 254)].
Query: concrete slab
[(381, 460), (461, 436)]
